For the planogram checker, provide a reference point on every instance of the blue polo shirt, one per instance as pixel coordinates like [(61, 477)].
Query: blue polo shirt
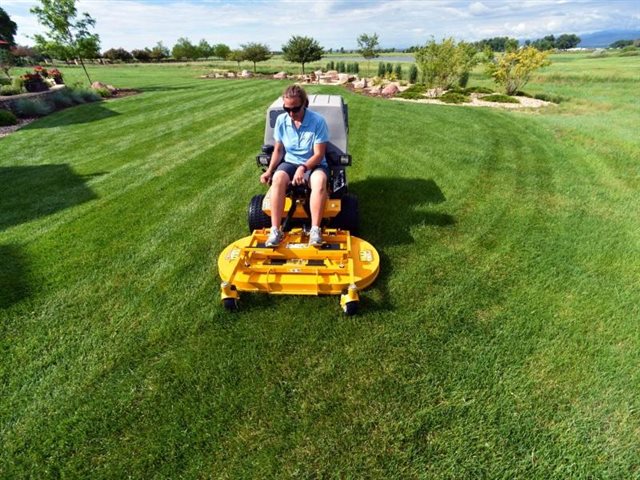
[(299, 142)]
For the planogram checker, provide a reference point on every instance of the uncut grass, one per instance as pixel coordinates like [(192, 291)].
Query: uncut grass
[(500, 339)]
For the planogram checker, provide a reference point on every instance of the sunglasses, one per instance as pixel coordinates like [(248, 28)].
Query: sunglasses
[(293, 109)]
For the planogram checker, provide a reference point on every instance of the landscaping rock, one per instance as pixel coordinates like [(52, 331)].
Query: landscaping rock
[(231, 75), (344, 78), (360, 84), (390, 90), (280, 76), (246, 74)]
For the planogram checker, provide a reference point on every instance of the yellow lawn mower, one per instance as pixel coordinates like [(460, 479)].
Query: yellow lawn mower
[(343, 265)]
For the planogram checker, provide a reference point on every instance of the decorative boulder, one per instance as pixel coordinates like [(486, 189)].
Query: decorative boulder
[(344, 78), (360, 83), (231, 75), (280, 76), (246, 74), (390, 90)]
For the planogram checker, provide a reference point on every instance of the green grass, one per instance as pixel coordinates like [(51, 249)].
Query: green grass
[(500, 340)]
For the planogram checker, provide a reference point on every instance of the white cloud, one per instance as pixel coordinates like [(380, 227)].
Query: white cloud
[(334, 23)]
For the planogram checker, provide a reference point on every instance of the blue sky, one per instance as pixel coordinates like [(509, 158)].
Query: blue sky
[(334, 23)]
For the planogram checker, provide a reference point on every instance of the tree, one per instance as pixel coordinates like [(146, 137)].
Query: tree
[(236, 56), (302, 50), (141, 55), (66, 33), (566, 41), (159, 52), (221, 51), (7, 61), (184, 50), (8, 28), (513, 69), (621, 43), (446, 64), (204, 50), (367, 47), (256, 52), (118, 54)]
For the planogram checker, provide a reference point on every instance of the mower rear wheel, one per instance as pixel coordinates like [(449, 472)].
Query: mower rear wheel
[(230, 304), (350, 308), (348, 218), (257, 218)]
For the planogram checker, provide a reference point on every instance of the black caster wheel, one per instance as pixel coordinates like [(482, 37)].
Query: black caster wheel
[(230, 304), (350, 308)]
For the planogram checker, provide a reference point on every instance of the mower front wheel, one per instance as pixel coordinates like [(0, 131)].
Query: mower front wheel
[(230, 304), (257, 218)]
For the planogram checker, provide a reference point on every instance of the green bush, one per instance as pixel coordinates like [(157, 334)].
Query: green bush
[(464, 79), (389, 69), (341, 67), (454, 97), (477, 90), (499, 98), (547, 97), (5, 81), (520, 93), (413, 74), (382, 69), (103, 92), (7, 118), (18, 83), (26, 108), (7, 90), (331, 65), (630, 53), (356, 67), (398, 71), (414, 92)]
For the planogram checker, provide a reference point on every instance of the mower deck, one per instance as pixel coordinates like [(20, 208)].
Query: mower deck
[(343, 265)]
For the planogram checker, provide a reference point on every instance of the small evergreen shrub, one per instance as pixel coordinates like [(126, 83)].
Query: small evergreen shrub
[(7, 118), (356, 67), (454, 97), (499, 98), (469, 90), (463, 80), (5, 81), (413, 74), (331, 65), (341, 67), (520, 93), (389, 69), (414, 92), (382, 69), (398, 71)]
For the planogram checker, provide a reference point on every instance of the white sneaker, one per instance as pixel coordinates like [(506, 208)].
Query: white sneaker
[(315, 237), (275, 237)]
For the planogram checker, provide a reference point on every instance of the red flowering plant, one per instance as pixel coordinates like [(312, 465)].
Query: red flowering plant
[(34, 82), (56, 75)]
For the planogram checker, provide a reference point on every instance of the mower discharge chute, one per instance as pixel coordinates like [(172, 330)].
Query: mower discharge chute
[(343, 265)]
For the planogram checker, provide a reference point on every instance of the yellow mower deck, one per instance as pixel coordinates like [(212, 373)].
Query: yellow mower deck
[(343, 265)]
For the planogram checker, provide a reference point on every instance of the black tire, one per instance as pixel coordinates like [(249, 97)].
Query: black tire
[(348, 218), (230, 304), (257, 218), (350, 308)]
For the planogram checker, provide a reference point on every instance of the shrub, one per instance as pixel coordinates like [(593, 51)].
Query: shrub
[(477, 90), (454, 97), (356, 67), (103, 92), (630, 53), (5, 81), (8, 90), (414, 92), (331, 65), (443, 64), (7, 118), (398, 71), (87, 95), (389, 69), (520, 93), (498, 98), (382, 69), (413, 74), (25, 108), (547, 97), (62, 99), (514, 69)]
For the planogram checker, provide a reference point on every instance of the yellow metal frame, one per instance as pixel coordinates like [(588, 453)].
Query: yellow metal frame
[(343, 265)]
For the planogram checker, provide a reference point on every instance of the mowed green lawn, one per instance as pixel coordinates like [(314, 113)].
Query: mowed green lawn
[(501, 339)]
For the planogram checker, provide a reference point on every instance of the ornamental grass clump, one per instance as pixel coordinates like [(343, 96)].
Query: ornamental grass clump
[(26, 108)]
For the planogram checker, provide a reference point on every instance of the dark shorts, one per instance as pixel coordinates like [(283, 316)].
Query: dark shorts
[(290, 169)]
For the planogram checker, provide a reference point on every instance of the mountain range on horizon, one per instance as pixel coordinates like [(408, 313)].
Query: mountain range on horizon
[(604, 38)]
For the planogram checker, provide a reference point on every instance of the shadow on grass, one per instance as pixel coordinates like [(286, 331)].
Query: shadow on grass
[(13, 275), (32, 192), (389, 208), (71, 116)]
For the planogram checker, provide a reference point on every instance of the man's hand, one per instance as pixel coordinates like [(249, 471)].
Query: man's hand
[(298, 178), (266, 177)]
